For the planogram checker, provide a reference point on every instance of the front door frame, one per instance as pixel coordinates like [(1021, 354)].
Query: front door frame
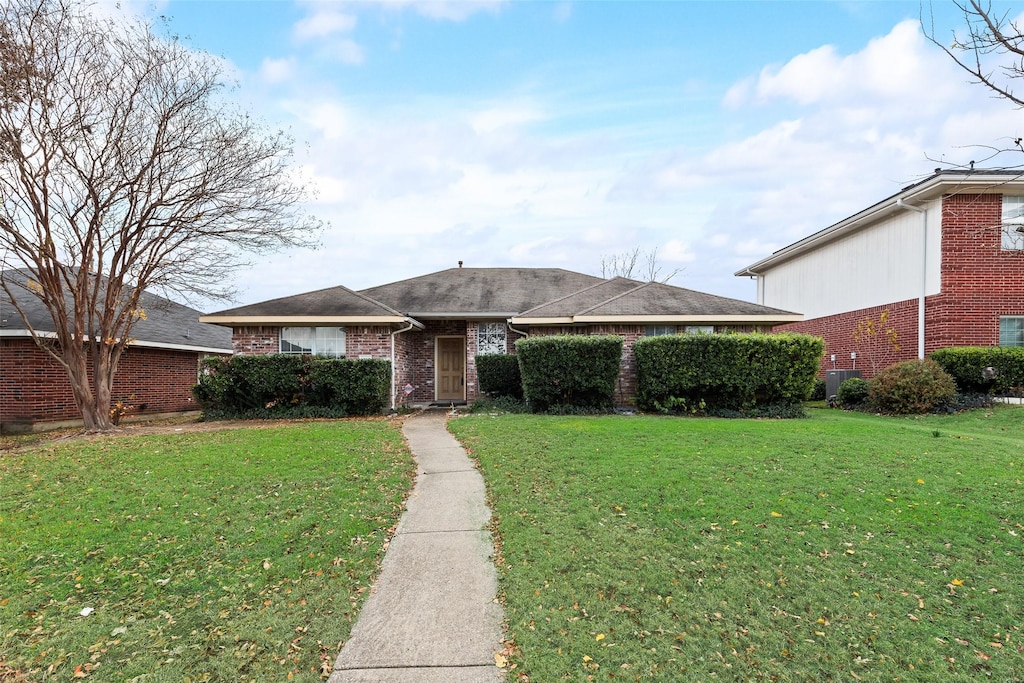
[(437, 367)]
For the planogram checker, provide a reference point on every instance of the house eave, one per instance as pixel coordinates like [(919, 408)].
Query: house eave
[(942, 183), (462, 315), (660, 319), (138, 343), (309, 320)]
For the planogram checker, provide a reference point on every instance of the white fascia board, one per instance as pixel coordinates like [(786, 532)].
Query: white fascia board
[(25, 334), (541, 321), (681, 319), (463, 315), (311, 320)]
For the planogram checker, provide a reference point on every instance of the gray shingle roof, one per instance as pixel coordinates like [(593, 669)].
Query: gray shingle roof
[(655, 298), (537, 294), (333, 301), (167, 323), (476, 292)]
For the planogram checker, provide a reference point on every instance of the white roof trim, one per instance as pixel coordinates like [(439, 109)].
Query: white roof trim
[(25, 334)]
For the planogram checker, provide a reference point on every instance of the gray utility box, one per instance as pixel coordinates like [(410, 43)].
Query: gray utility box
[(833, 378)]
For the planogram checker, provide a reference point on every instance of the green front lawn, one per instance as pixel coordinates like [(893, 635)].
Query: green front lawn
[(841, 547), (227, 556)]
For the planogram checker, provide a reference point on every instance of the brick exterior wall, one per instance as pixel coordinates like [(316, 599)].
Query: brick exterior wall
[(980, 283), (34, 389), (256, 340)]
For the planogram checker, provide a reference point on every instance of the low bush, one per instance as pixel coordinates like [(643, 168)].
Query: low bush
[(693, 373), (818, 391), (913, 386), (502, 404), (498, 375), (569, 372), (852, 392), (982, 369), (283, 385)]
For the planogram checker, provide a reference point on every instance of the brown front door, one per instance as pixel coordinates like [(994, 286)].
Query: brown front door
[(451, 368)]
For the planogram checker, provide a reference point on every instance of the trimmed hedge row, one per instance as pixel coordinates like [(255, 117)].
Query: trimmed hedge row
[(743, 372), (279, 385), (498, 375), (569, 371), (969, 366)]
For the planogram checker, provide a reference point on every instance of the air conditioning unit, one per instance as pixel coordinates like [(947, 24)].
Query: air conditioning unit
[(833, 378)]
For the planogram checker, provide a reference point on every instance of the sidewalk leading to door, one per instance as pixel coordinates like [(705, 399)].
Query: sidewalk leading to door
[(432, 615)]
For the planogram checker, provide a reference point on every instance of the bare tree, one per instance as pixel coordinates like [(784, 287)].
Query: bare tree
[(124, 168), (628, 264), (990, 48)]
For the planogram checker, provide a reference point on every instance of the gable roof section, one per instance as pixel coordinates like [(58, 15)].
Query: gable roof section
[(527, 296), (480, 292), (650, 303), (168, 325), (332, 306), (942, 182)]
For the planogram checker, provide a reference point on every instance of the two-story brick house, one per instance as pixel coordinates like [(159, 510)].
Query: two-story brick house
[(939, 264)]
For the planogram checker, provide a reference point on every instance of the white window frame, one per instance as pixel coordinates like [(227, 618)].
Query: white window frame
[(700, 329), (1012, 227), (660, 330), (328, 342), (1011, 330), (491, 339)]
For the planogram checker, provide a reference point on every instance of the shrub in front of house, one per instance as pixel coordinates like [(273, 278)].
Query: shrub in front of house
[(913, 386), (731, 374), (284, 385), (984, 369), (563, 373), (852, 392), (498, 375)]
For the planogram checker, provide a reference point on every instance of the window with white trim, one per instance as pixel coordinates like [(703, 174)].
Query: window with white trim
[(700, 329), (660, 330), (1011, 331), (490, 339), (314, 341), (1013, 223)]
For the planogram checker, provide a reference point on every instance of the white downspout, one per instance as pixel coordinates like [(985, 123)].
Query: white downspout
[(924, 273), (394, 372)]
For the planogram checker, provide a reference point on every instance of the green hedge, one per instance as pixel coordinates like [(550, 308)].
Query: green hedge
[(967, 366), (498, 375), (284, 385), (566, 372), (740, 372)]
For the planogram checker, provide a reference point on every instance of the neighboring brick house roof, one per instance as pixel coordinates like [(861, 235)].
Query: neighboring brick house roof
[(167, 325), (535, 296)]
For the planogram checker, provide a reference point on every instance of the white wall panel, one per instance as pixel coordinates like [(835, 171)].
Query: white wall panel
[(878, 265)]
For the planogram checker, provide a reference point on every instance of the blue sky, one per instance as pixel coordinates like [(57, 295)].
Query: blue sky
[(556, 134)]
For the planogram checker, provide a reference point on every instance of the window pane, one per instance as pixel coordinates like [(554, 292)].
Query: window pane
[(1013, 222), (660, 330), (330, 342), (297, 340), (1011, 331), (490, 338), (697, 329)]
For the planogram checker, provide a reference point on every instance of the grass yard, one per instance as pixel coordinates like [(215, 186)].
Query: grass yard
[(238, 555), (843, 547)]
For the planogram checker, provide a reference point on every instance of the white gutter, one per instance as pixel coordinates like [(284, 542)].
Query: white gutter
[(508, 323), (394, 373), (924, 272), (135, 343)]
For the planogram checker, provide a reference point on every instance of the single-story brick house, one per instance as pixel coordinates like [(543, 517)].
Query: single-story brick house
[(942, 260), (155, 375), (432, 327)]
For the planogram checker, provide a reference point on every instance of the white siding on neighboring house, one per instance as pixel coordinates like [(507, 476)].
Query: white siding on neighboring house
[(867, 268)]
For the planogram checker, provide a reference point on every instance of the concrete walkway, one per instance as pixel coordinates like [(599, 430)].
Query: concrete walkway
[(432, 616)]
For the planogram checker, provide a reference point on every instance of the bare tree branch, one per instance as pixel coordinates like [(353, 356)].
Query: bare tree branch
[(626, 265), (123, 167)]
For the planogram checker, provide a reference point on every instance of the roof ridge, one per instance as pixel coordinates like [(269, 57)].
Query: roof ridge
[(572, 294), (617, 296)]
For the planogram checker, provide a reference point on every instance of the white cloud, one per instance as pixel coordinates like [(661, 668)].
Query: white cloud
[(448, 10), (277, 70), (325, 21)]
